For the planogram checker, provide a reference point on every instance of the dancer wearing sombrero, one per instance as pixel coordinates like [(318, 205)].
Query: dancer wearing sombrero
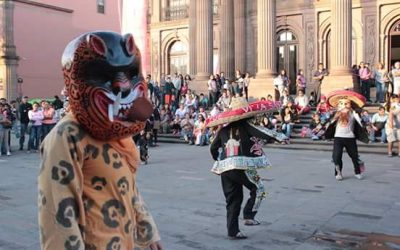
[(345, 128), (238, 153)]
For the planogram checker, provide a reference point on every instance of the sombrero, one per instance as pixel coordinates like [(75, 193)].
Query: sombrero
[(334, 97), (240, 109)]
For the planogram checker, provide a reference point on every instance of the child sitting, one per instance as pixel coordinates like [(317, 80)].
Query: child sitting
[(317, 129)]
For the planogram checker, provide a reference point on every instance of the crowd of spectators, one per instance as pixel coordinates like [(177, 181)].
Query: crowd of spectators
[(29, 122)]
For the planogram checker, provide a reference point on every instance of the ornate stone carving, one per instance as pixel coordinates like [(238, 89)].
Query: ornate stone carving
[(154, 61), (370, 36), (310, 50)]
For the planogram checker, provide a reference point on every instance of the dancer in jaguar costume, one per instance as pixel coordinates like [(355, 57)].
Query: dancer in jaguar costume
[(238, 153), (88, 198)]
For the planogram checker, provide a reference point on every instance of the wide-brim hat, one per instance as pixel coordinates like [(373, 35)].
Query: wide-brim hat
[(240, 109), (334, 97)]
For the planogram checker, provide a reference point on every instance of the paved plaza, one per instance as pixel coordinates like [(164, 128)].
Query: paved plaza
[(306, 207)]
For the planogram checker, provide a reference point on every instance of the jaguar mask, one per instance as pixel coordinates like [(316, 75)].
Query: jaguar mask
[(103, 78)]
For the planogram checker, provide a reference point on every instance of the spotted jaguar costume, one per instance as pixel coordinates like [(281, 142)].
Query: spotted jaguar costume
[(88, 198)]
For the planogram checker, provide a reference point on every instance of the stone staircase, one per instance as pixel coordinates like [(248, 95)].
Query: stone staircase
[(299, 143)]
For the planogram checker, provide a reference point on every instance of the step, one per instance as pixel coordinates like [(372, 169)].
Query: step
[(326, 147), (298, 143)]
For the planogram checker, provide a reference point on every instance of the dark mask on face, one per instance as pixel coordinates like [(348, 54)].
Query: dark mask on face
[(103, 77)]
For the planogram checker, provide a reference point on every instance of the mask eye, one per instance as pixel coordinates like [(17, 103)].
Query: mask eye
[(96, 73)]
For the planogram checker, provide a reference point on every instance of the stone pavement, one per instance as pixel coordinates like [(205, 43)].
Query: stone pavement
[(306, 207)]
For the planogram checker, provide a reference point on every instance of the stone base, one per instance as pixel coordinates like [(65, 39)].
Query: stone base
[(199, 86), (336, 82), (261, 87)]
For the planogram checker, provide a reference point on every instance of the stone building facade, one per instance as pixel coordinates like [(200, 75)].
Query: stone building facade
[(201, 37)]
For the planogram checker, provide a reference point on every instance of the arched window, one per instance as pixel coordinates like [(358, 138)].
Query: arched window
[(288, 56), (394, 44), (177, 58)]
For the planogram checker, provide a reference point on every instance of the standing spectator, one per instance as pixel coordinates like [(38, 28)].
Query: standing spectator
[(393, 126), (156, 117), (5, 126), (49, 119), (301, 81), (150, 86), (378, 123), (35, 117), (318, 77), (212, 90), (356, 78), (165, 120), (163, 82), (168, 91), (24, 108), (381, 79), (246, 85), (178, 82), (281, 83), (395, 77), (57, 103), (240, 85), (365, 75)]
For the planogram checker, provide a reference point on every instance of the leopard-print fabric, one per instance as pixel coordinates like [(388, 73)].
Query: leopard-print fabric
[(88, 198)]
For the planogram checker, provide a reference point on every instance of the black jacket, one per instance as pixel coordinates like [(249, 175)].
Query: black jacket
[(244, 133), (360, 131)]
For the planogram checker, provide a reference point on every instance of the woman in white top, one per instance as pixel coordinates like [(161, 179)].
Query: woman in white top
[(345, 128)]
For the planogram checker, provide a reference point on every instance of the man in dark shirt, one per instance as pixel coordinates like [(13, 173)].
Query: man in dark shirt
[(318, 76), (24, 107)]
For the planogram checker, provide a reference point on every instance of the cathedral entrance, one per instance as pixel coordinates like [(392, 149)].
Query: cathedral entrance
[(287, 57), (177, 58), (394, 44)]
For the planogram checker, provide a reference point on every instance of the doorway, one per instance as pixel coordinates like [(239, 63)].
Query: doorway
[(177, 58), (288, 57), (394, 44)]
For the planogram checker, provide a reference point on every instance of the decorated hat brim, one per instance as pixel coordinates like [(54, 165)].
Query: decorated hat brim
[(252, 110), (334, 97)]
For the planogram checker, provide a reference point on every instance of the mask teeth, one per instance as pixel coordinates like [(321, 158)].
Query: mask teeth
[(110, 112), (117, 104)]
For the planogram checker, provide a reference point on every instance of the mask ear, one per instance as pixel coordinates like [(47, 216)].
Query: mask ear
[(96, 44), (129, 44)]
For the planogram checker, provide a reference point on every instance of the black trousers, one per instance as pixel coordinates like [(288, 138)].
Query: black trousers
[(232, 185), (351, 147)]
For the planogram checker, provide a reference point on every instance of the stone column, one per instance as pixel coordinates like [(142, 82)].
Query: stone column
[(192, 37), (204, 39), (240, 35), (227, 46), (266, 40), (8, 55), (341, 37)]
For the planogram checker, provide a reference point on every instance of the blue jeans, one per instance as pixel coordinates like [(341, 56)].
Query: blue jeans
[(287, 129), (24, 130), (46, 128), (366, 89), (380, 90), (34, 137), (383, 135)]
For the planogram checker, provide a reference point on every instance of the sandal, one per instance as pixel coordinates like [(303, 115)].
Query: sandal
[(251, 222), (238, 236)]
